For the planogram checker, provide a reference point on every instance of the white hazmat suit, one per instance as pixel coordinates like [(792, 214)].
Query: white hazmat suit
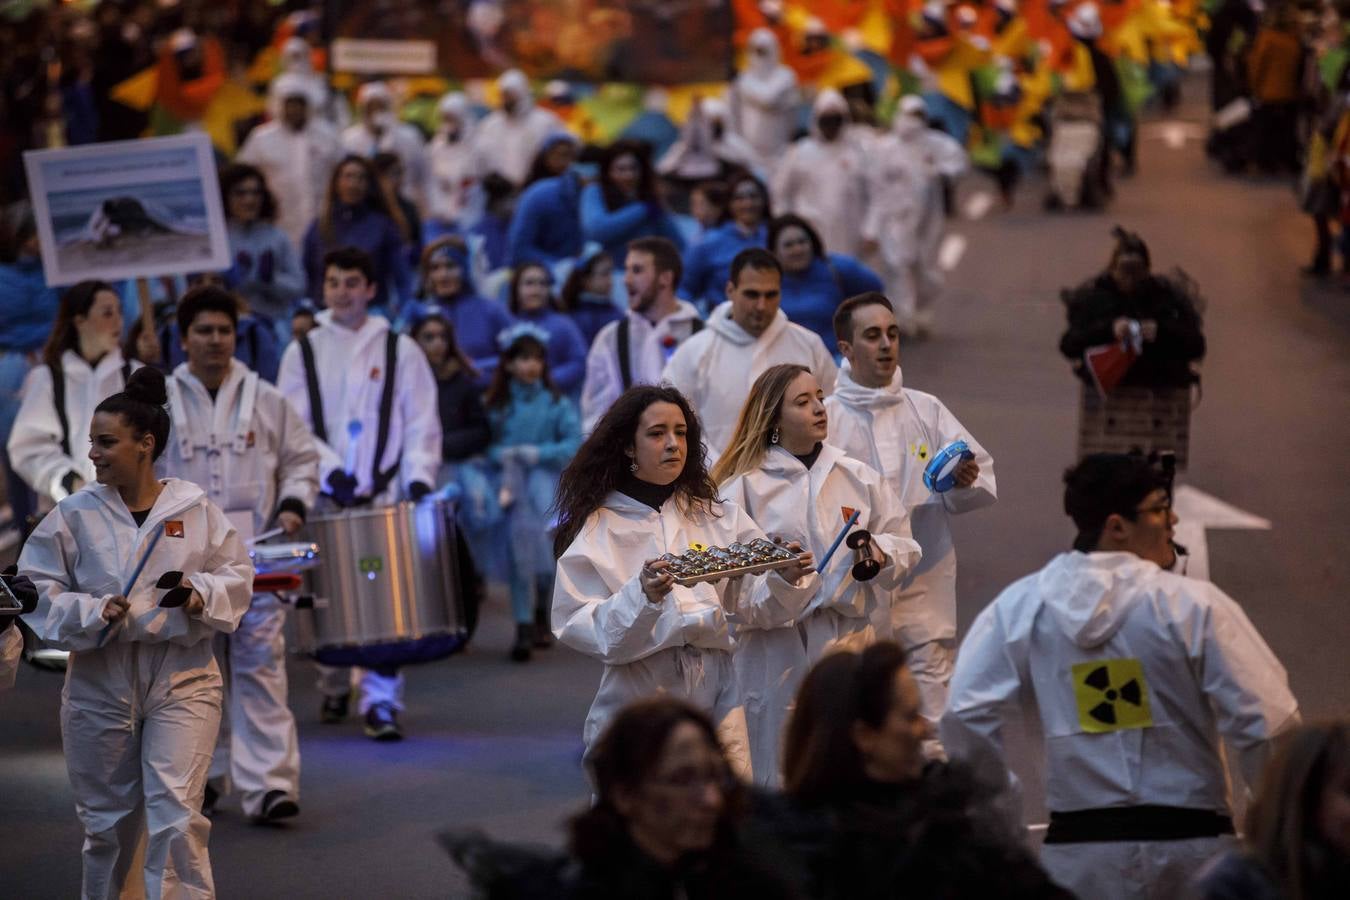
[(774, 651), (35, 444), (650, 347), (825, 181), (453, 166), (507, 142), (715, 368), (249, 450), (349, 366), (1136, 674), (897, 430), (681, 646), (384, 133), (708, 145), (296, 164), (764, 97), (906, 217), (138, 714)]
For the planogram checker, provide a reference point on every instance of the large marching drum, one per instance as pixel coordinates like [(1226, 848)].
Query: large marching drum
[(383, 591)]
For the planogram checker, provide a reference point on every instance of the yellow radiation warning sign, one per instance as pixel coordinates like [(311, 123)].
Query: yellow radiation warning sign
[(1112, 695)]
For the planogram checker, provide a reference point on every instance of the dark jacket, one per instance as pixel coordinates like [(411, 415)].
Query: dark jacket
[(935, 838), (1165, 362), (464, 421)]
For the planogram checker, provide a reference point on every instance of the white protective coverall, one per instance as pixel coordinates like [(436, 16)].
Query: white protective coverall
[(350, 367), (249, 450), (139, 714), (1136, 674), (296, 164), (773, 653), (681, 646), (297, 60), (506, 143), (764, 97), (715, 368), (906, 217), (896, 430), (708, 142), (451, 158), (648, 354), (825, 182), (35, 448), (399, 138)]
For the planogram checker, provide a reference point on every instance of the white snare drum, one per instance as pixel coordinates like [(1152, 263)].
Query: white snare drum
[(385, 591)]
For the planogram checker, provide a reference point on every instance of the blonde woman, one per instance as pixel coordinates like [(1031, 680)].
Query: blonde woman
[(779, 469)]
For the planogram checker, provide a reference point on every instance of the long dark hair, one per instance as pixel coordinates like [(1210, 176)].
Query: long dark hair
[(76, 301), (779, 224), (570, 297), (423, 317), (639, 150), (513, 296), (596, 469), (1282, 829), (821, 762), (624, 758), (376, 199), (236, 173), (736, 181), (499, 391), (141, 404)]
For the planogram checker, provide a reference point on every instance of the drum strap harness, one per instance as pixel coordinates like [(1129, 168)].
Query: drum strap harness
[(59, 398), (622, 341), (379, 479)]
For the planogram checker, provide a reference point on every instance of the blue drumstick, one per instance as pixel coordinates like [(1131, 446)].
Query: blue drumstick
[(838, 539), (131, 582)]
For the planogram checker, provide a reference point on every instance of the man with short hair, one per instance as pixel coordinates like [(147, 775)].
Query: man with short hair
[(237, 437), (876, 418), (296, 152), (635, 350), (378, 441), (1137, 674), (747, 334)]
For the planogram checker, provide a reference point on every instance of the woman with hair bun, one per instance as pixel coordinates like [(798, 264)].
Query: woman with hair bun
[(135, 576)]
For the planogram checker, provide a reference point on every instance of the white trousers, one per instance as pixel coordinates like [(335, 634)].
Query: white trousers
[(258, 750), (704, 678), (931, 663), (1131, 870), (138, 721)]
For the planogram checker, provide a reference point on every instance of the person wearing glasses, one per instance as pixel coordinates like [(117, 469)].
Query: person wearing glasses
[(1136, 674)]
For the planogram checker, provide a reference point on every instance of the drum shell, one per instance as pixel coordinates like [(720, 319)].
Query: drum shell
[(386, 587)]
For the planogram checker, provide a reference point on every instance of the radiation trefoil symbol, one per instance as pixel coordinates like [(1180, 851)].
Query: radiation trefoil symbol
[(1112, 695)]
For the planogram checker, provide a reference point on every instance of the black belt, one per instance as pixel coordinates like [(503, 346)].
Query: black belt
[(1136, 823)]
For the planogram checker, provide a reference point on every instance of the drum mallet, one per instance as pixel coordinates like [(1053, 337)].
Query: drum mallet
[(838, 539), (131, 582), (265, 536)]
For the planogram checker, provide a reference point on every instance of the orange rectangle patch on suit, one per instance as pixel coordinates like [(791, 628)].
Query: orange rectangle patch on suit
[(173, 528)]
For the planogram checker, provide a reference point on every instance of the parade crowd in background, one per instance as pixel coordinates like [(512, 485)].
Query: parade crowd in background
[(611, 325)]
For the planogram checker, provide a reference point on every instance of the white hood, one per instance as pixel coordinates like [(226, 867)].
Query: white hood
[(828, 101), (855, 395), (1089, 595), (513, 81), (720, 322), (455, 104)]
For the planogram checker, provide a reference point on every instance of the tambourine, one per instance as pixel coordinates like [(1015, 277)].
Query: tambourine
[(940, 474)]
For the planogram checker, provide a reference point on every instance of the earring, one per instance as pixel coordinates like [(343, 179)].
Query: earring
[(773, 437), (632, 466)]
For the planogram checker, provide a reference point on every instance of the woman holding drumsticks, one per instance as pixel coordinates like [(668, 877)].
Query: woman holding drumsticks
[(134, 577), (779, 469), (637, 490)]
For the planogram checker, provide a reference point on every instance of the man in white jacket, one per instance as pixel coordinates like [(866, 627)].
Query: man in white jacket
[(380, 131), (906, 218), (823, 178), (378, 441), (296, 152), (897, 430), (236, 437), (635, 350), (509, 137), (1137, 674), (715, 368)]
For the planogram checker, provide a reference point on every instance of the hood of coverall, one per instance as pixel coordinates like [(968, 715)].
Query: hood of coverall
[(828, 102), (1089, 595)]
